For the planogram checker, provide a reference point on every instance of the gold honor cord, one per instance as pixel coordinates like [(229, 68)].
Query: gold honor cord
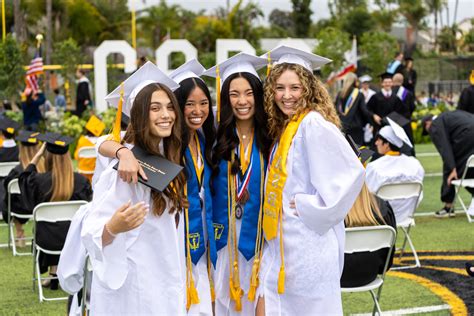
[(191, 292), (118, 116), (198, 154), (218, 93), (236, 292), (254, 280), (211, 281)]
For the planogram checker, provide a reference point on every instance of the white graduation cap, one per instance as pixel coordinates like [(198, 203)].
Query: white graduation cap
[(145, 75), (285, 54), (395, 134), (365, 78), (242, 62), (190, 69)]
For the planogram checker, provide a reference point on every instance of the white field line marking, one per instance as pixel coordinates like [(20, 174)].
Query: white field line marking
[(427, 154), (434, 174), (421, 214), (414, 310)]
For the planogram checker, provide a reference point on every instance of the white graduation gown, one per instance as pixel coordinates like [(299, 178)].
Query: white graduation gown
[(392, 169), (324, 179), (142, 272)]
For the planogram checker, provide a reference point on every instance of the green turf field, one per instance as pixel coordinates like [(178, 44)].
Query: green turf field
[(430, 234)]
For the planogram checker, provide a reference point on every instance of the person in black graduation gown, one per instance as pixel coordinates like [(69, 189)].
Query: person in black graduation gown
[(453, 135), (408, 100), (83, 93), (384, 102), (58, 183), (409, 75), (363, 267), (351, 108), (466, 100), (9, 150), (28, 147)]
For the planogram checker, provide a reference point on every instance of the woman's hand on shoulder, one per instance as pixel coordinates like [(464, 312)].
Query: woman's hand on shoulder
[(129, 168), (39, 154)]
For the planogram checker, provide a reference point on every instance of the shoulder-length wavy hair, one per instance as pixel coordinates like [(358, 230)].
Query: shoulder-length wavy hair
[(138, 133), (315, 97), (227, 139), (182, 94), (62, 176), (365, 211)]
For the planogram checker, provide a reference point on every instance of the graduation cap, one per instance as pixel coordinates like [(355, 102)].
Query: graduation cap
[(395, 134), (28, 138), (285, 54), (386, 75), (124, 95), (365, 78), (95, 126), (397, 118), (125, 120), (56, 143), (191, 69), (159, 171), (242, 62), (365, 155), (9, 126)]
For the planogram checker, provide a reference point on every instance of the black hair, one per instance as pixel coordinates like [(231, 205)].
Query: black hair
[(227, 139), (7, 135), (56, 91), (182, 94), (385, 141)]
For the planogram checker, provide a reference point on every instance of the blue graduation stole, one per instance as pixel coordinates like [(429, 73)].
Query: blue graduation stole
[(392, 67), (196, 230), (248, 230)]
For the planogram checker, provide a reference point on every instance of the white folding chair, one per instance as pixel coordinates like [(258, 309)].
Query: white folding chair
[(5, 168), (14, 188), (405, 190), (464, 183), (370, 238), (86, 288), (86, 152), (50, 212)]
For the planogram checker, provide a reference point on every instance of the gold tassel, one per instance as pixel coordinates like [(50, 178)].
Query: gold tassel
[(213, 293), (253, 280), (281, 280), (218, 93), (193, 293), (118, 117), (233, 296), (269, 65)]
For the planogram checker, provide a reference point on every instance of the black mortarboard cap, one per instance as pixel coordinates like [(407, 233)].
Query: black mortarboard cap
[(159, 171), (353, 145), (56, 143), (365, 154), (9, 126), (386, 75), (397, 118), (28, 138)]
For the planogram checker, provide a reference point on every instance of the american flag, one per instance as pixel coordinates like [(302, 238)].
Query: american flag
[(35, 69)]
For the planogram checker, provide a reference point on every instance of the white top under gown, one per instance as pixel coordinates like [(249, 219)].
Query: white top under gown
[(223, 305), (393, 169), (142, 272), (324, 178)]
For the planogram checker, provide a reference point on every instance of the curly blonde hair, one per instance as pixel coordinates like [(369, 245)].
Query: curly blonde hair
[(315, 97)]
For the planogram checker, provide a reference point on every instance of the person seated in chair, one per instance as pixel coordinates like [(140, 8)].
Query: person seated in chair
[(394, 167), (9, 150), (58, 183), (28, 147)]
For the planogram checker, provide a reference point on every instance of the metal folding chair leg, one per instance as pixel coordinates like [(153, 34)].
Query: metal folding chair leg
[(376, 304), (417, 264)]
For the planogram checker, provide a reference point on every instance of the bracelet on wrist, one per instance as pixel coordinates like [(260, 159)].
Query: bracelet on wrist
[(108, 231), (117, 151)]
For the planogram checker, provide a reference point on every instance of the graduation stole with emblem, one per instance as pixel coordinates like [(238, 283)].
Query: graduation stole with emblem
[(276, 179), (349, 102), (402, 93), (197, 178)]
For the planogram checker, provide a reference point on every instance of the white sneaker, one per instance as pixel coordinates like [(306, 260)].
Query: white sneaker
[(470, 210)]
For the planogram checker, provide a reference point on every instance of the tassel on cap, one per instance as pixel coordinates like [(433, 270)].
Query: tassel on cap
[(118, 117), (218, 93), (281, 280), (269, 65)]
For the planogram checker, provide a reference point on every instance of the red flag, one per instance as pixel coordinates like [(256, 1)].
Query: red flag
[(35, 69)]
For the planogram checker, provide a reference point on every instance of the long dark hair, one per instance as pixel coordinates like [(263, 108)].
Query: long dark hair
[(138, 133), (227, 139), (182, 94)]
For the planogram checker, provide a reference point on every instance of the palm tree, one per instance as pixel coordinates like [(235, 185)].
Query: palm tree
[(414, 13), (434, 7)]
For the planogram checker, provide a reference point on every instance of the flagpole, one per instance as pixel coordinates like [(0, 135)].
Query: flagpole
[(4, 24), (134, 26)]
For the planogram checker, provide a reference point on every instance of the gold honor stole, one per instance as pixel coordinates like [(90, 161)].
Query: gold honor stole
[(350, 102), (276, 180)]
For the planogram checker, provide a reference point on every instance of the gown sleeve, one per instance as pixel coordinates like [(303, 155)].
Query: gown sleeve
[(335, 174), (30, 187), (440, 139), (109, 262)]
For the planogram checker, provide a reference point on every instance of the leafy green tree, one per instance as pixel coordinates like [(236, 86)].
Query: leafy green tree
[(358, 21), (414, 13), (85, 23), (301, 17), (241, 19), (282, 22), (333, 42), (377, 49), (435, 7), (12, 74)]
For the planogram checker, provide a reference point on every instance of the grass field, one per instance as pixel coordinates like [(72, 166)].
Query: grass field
[(429, 234)]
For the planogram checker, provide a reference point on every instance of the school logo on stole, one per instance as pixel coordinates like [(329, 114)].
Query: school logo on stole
[(218, 229), (194, 241)]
